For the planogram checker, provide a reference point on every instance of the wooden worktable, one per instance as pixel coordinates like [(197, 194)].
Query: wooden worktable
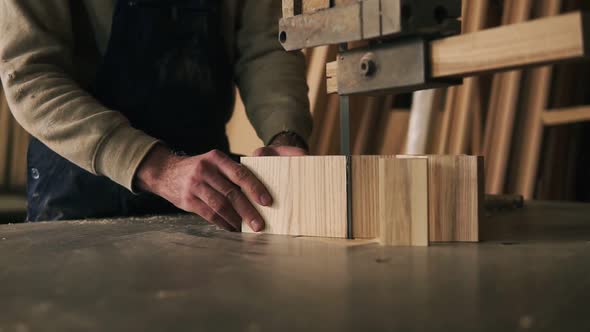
[(179, 274)]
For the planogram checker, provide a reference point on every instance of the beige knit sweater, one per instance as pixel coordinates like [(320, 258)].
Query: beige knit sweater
[(49, 51)]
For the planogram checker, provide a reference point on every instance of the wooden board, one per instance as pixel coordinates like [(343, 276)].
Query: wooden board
[(456, 195), (539, 41), (309, 194), (557, 117), (403, 198), (542, 41)]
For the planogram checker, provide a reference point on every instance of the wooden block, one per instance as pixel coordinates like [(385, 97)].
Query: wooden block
[(371, 18), (310, 6), (309, 194), (456, 195), (291, 8), (403, 198), (365, 196)]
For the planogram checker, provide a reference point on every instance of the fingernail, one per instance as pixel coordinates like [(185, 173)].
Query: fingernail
[(265, 199), (256, 225)]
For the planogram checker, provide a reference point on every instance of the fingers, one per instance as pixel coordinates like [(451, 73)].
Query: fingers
[(238, 200), (199, 207), (241, 175), (218, 204)]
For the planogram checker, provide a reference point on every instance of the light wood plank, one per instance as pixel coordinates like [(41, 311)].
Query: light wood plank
[(565, 116), (403, 196), (540, 41), (309, 194)]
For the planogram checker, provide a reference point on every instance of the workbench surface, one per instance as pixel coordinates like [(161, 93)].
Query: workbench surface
[(177, 273)]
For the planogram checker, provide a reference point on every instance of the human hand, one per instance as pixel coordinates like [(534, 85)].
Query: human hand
[(210, 185), (284, 144)]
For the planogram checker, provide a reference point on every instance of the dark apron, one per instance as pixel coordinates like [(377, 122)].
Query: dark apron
[(166, 69)]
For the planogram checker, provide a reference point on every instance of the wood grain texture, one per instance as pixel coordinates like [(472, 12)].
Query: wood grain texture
[(563, 116), (528, 147), (309, 194), (456, 194), (403, 200), (503, 114), (310, 6), (540, 41), (365, 195)]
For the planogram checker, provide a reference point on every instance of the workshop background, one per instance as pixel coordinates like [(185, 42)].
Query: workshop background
[(531, 125)]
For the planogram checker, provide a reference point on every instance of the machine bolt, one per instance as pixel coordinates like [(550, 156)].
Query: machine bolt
[(368, 66)]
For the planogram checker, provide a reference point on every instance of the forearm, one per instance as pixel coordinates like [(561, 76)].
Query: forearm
[(46, 99)]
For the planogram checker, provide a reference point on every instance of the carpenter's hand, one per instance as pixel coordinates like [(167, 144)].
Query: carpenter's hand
[(210, 185), (284, 144)]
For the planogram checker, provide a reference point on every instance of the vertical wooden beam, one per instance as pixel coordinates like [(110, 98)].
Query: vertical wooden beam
[(440, 146), (504, 115), (474, 20), (528, 147)]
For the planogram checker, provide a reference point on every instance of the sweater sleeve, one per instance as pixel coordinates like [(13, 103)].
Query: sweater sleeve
[(271, 81), (38, 75)]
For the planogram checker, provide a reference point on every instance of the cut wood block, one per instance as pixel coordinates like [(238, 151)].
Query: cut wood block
[(456, 194), (403, 200), (365, 196), (309, 194)]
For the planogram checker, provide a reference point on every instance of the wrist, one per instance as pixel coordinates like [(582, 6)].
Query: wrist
[(152, 169), (288, 138)]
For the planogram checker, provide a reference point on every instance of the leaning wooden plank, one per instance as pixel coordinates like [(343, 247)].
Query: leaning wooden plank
[(403, 201), (476, 12), (565, 116), (541, 41), (309, 194), (548, 40), (503, 115)]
